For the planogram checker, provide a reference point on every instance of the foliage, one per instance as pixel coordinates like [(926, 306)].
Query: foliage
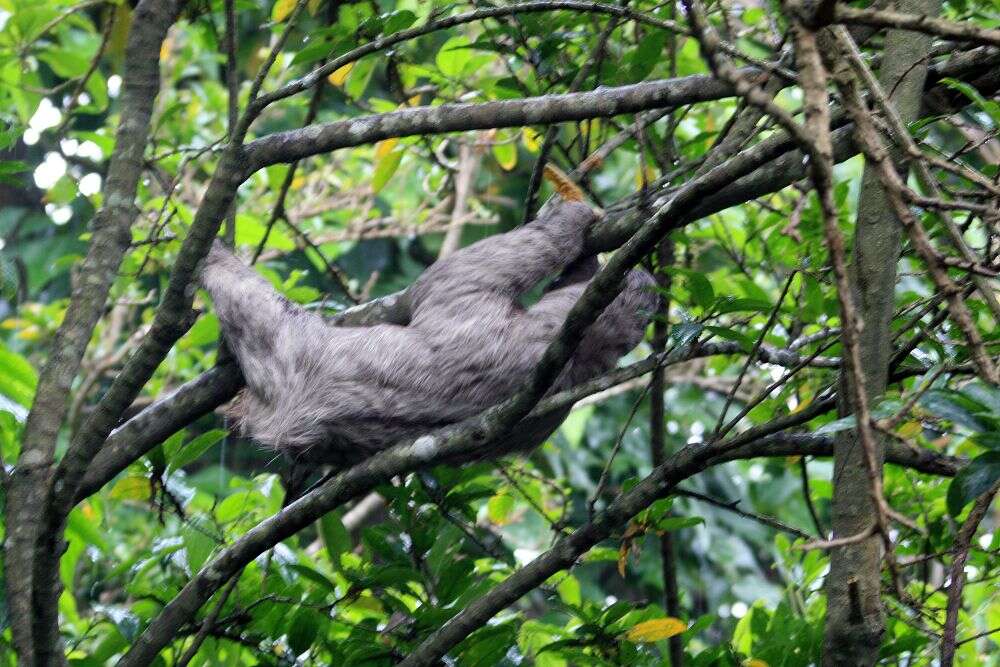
[(335, 594)]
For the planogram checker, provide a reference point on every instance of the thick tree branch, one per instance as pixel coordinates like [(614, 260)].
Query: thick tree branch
[(855, 623), (605, 102), (110, 240), (927, 24)]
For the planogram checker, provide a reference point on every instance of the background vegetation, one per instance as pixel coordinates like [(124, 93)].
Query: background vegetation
[(720, 556)]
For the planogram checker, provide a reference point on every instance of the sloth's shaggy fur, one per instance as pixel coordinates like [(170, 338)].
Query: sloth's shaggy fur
[(332, 394)]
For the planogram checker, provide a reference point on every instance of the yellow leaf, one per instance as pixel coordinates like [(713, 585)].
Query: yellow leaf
[(656, 629), (339, 76), (165, 48), (385, 147), (910, 429), (531, 140), (622, 558), (298, 182), (644, 175), (281, 10)]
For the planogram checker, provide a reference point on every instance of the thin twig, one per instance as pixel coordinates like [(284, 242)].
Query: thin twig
[(956, 574)]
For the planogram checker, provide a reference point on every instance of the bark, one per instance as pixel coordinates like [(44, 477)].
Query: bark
[(854, 623), (658, 446), (956, 573), (92, 282), (606, 102), (173, 317)]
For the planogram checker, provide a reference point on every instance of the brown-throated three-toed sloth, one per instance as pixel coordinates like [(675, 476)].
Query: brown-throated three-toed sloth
[(333, 394)]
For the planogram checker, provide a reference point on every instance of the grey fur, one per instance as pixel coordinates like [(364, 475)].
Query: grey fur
[(322, 393)]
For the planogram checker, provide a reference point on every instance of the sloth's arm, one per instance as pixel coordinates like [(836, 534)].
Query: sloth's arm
[(503, 266), (618, 329)]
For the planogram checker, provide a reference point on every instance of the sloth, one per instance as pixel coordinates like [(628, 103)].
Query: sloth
[(327, 394)]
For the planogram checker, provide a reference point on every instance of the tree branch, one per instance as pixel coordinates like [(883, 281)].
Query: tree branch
[(111, 237), (324, 138), (956, 573), (883, 18)]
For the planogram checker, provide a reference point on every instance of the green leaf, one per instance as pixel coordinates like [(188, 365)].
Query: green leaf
[(648, 53), (569, 590), (238, 506), (972, 481), (196, 447), (17, 377), (574, 427), (302, 630), (385, 168), (685, 332), (991, 108), (198, 545), (10, 167), (335, 537), (951, 406), (314, 576), (505, 154), (812, 301), (499, 507), (700, 288), (63, 192), (204, 331), (453, 56), (666, 524), (68, 63), (731, 304), (360, 75), (8, 137), (397, 21), (85, 528), (250, 231), (985, 395), (842, 424), (753, 16), (989, 440), (733, 335)]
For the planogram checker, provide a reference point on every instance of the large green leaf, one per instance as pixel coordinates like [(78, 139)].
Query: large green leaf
[(973, 480)]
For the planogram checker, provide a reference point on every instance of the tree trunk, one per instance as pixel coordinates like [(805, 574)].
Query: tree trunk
[(854, 622)]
